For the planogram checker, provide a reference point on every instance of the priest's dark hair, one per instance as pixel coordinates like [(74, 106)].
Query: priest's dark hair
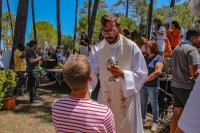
[(110, 17)]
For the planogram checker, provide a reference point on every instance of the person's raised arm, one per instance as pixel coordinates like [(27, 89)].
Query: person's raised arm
[(94, 66)]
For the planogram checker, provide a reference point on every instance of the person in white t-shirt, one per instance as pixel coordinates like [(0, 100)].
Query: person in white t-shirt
[(160, 35)]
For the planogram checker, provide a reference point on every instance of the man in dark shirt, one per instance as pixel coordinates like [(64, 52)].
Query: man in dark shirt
[(84, 42), (32, 61), (185, 61)]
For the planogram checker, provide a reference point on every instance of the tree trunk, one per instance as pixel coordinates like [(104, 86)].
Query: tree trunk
[(33, 20), (89, 12), (150, 12), (172, 4), (20, 27), (75, 25), (11, 23), (127, 6), (58, 23), (92, 21), (0, 20)]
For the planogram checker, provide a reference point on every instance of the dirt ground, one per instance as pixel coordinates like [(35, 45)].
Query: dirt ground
[(36, 118)]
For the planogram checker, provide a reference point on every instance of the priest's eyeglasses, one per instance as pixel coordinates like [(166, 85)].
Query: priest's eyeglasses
[(104, 31)]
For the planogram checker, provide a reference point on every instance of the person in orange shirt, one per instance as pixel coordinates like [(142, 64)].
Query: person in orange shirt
[(175, 34), (168, 49)]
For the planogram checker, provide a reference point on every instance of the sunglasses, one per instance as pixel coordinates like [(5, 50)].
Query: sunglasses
[(104, 31)]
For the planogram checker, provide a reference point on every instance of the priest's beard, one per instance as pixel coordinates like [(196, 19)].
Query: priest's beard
[(112, 40)]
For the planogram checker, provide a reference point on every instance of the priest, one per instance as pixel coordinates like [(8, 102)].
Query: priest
[(121, 69)]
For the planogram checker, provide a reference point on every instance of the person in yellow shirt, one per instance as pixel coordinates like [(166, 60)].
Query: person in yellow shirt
[(19, 67)]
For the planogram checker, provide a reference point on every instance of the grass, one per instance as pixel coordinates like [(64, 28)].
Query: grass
[(28, 118)]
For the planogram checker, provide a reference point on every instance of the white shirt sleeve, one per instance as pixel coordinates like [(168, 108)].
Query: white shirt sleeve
[(134, 79), (94, 65)]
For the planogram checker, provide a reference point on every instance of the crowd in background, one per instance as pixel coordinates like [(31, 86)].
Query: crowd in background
[(167, 45), (165, 40)]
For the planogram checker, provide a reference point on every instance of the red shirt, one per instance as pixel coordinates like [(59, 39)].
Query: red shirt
[(175, 37)]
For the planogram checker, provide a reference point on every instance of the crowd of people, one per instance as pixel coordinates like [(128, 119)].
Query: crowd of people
[(27, 61), (134, 62)]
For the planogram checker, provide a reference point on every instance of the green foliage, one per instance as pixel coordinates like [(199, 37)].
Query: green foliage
[(97, 26), (6, 27), (67, 40), (137, 9), (182, 14), (84, 10), (82, 26), (10, 83), (45, 32), (6, 20), (186, 19), (127, 23), (7, 84), (2, 81), (140, 8)]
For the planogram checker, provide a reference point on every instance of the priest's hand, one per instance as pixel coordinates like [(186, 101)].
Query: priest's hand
[(115, 70)]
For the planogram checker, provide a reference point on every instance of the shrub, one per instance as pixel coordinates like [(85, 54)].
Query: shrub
[(7, 84), (2, 81)]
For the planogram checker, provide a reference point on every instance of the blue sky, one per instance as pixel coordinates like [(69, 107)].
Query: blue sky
[(46, 10)]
